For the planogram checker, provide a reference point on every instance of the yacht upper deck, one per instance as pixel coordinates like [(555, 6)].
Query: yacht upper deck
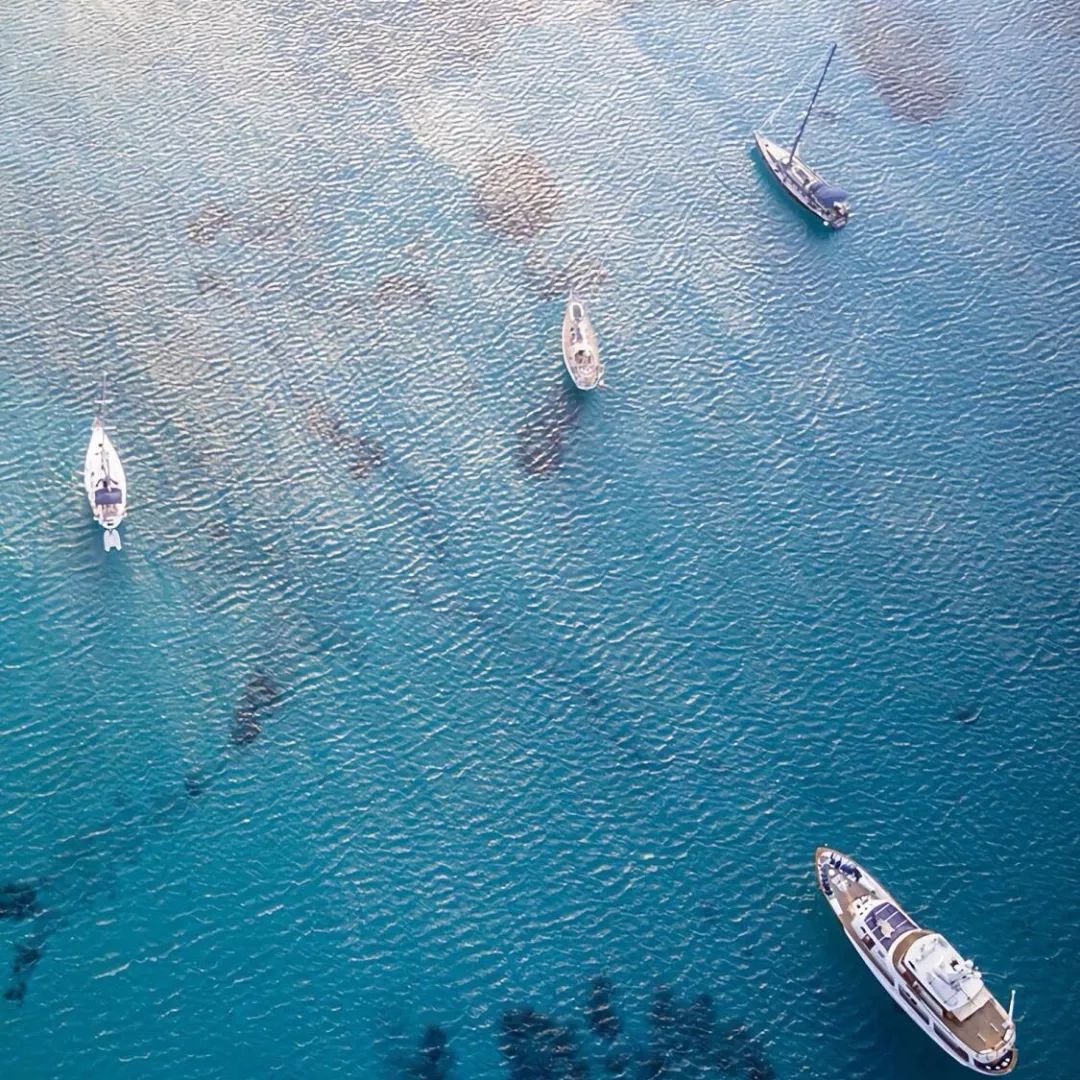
[(981, 1028)]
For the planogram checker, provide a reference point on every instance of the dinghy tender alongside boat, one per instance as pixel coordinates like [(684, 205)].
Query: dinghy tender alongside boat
[(825, 201), (104, 480)]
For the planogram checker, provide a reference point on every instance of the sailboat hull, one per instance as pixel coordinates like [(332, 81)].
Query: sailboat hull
[(102, 462), (799, 180), (581, 354)]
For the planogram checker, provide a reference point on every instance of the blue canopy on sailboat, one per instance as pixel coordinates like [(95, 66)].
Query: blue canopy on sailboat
[(828, 194), (108, 498)]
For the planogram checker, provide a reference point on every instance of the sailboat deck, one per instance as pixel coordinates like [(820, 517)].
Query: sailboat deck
[(580, 350)]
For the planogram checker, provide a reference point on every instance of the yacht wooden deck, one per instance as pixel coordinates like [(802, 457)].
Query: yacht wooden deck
[(847, 890), (983, 1030)]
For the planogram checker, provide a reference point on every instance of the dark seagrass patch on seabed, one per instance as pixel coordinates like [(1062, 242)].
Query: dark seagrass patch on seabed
[(364, 452), (542, 435), (583, 274), (685, 1040), (209, 223), (266, 217), (261, 694), (600, 1010), (23, 963), (740, 1051), (403, 293), (516, 194), (688, 1035), (905, 50), (433, 1059), (537, 1047), (18, 900)]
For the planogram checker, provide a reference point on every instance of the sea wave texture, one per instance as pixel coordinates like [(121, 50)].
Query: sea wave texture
[(437, 720)]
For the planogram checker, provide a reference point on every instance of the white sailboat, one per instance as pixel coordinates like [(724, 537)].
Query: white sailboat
[(581, 354), (104, 479), (825, 201)]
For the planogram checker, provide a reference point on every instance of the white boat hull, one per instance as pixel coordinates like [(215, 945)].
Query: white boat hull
[(581, 353), (103, 464), (796, 179)]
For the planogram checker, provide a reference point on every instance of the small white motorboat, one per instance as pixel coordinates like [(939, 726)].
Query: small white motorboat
[(104, 480), (581, 354)]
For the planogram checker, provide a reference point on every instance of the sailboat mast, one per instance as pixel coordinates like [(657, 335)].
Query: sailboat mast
[(817, 90), (101, 420), (101, 401)]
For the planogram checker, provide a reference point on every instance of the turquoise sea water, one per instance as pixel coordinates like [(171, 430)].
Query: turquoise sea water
[(424, 691)]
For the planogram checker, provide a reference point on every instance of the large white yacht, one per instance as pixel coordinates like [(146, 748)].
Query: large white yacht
[(942, 992)]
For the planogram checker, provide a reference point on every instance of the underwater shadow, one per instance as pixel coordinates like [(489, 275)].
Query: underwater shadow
[(261, 695), (363, 453), (433, 1058), (600, 1012), (78, 877), (402, 293), (541, 437), (517, 195), (582, 273), (682, 1034), (534, 1046), (905, 52), (684, 1039)]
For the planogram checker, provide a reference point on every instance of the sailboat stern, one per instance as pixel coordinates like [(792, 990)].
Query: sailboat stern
[(833, 201)]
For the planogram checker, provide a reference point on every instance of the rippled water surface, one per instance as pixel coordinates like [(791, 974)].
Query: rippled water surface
[(436, 721)]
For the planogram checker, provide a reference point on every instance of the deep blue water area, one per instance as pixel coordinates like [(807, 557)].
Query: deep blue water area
[(437, 720)]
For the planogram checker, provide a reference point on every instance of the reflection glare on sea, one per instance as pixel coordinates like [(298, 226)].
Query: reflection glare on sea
[(437, 720)]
